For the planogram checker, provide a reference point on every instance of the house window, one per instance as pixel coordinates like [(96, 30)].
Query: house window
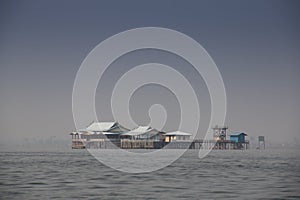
[(167, 139)]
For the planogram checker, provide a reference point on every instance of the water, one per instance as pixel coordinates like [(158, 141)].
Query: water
[(76, 174)]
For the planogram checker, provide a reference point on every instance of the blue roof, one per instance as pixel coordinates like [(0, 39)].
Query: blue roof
[(237, 134)]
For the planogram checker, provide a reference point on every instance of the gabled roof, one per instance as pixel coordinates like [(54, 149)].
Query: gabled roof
[(178, 133), (141, 130), (100, 126), (236, 134), (97, 127)]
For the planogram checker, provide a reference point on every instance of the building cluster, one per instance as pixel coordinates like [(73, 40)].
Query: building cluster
[(110, 134), (113, 135)]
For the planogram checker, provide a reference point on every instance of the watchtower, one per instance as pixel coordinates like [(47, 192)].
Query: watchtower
[(220, 132), (261, 142)]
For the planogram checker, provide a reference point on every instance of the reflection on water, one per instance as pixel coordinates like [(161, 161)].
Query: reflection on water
[(222, 174)]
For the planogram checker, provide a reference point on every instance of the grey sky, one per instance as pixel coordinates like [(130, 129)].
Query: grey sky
[(255, 44)]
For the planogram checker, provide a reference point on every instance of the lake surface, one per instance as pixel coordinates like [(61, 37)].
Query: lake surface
[(252, 174)]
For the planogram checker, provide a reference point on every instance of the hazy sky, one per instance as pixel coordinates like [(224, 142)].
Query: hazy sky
[(255, 45)]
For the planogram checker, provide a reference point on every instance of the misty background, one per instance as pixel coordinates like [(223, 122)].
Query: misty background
[(255, 45)]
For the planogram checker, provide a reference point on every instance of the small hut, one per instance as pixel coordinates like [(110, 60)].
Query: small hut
[(238, 137), (177, 136), (142, 137)]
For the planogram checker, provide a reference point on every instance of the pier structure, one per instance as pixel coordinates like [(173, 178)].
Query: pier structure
[(109, 135), (219, 145), (150, 144)]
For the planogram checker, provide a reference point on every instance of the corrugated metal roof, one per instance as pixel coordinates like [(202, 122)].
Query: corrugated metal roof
[(100, 126), (141, 130), (237, 133), (178, 133)]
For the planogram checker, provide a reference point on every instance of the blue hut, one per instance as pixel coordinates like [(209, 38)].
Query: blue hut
[(237, 137)]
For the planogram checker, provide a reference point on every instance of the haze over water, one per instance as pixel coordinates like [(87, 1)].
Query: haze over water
[(255, 45)]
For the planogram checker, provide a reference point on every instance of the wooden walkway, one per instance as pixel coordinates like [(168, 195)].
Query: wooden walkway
[(150, 144)]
